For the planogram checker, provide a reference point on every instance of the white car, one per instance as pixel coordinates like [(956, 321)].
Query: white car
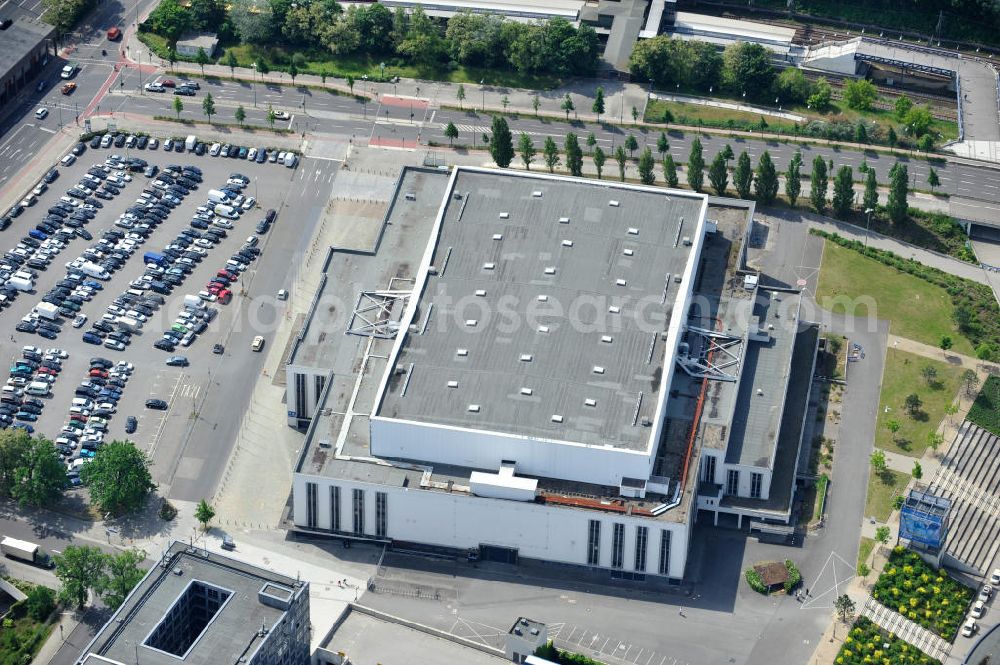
[(41, 113), (79, 321), (249, 203), (282, 115), (970, 627), (222, 224), (205, 295), (985, 593), (68, 159), (995, 576), (37, 191), (978, 610), (214, 150), (154, 87), (57, 352), (251, 154)]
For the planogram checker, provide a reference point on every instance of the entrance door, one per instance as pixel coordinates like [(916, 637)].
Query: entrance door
[(498, 554)]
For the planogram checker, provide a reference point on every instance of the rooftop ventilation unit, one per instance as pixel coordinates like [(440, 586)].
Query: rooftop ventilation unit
[(567, 243), (489, 265), (526, 357), (505, 215), (607, 339), (590, 401), (462, 352), (632, 231), (550, 270), (620, 282), (474, 408), (325, 443), (543, 329), (614, 309), (453, 384), (471, 323), (628, 252), (543, 298), (556, 418), (498, 236), (481, 292), (686, 241), (526, 391), (564, 220), (598, 369), (537, 194), (613, 203)]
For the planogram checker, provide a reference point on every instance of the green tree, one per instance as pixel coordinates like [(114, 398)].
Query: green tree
[(121, 574), (743, 176), (918, 120), (646, 165), (926, 143), (893, 426), (821, 96), (918, 471), (718, 174), (293, 71), (271, 116), (932, 179), (902, 107), (969, 377), (793, 179), (792, 86), (118, 477), (670, 171), (877, 460), (891, 138), (635, 115), (860, 94), (14, 447), (945, 343), (253, 20), (202, 59), (240, 114), (727, 153), (662, 145), (574, 155), (501, 142), (550, 154), (845, 608), (208, 106), (934, 440), (818, 184), (696, 166), (871, 190), (204, 513), (598, 105), (451, 132), (40, 478), (171, 57), (40, 603), (631, 145), (882, 535), (896, 204), (79, 569), (262, 67), (591, 142), (170, 19), (230, 62), (535, 103), (863, 570), (843, 192), (861, 132), (567, 105), (929, 372), (912, 402), (747, 69), (350, 82), (622, 159), (526, 148), (599, 159), (460, 95), (766, 184)]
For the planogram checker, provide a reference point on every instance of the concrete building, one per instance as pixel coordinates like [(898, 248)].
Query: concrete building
[(201, 608), (188, 45), (27, 45), (525, 371)]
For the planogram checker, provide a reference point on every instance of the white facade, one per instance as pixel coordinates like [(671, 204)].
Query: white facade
[(458, 520), (303, 388), (478, 449)]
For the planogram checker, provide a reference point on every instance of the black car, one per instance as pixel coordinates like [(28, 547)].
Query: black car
[(157, 404), (179, 146), (98, 361), (151, 170), (263, 226), (187, 92), (51, 176), (142, 142), (85, 234), (199, 149), (25, 326), (120, 141), (131, 424), (79, 148)]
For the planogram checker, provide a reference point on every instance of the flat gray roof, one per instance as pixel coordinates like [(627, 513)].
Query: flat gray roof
[(21, 38), (764, 376), (538, 263), (233, 630)]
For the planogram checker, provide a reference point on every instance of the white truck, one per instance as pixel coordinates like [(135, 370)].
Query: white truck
[(47, 310), (190, 143), (128, 323), (20, 283), (91, 269), (193, 302), (217, 196), (22, 550)]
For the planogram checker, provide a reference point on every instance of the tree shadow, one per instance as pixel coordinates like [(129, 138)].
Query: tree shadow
[(919, 415)]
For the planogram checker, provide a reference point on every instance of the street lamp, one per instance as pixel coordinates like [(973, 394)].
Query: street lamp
[(253, 73), (868, 224), (482, 88)]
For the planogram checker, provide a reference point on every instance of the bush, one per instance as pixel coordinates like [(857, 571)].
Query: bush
[(753, 579), (40, 602), (985, 411), (167, 511), (794, 576), (549, 652), (867, 643), (976, 311), (928, 597)]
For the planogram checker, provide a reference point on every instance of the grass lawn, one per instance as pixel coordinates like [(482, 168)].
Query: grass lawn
[(865, 549), (918, 310), (882, 489), (985, 411), (903, 377)]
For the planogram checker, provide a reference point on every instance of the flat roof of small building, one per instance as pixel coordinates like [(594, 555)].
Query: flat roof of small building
[(20, 39), (513, 9), (234, 629), (541, 308), (724, 31)]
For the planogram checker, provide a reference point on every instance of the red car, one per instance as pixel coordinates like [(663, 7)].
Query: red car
[(225, 295), (214, 288), (97, 371), (231, 276), (168, 83), (47, 370), (114, 34)]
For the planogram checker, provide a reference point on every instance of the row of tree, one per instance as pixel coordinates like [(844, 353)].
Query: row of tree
[(82, 569), (761, 183), (555, 46)]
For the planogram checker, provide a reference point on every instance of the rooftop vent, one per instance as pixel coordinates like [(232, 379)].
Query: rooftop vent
[(543, 329), (564, 220), (686, 241), (325, 443), (620, 282), (498, 236), (462, 352), (505, 215), (598, 369), (550, 270), (543, 298), (410, 196), (614, 309), (760, 391), (613, 203), (632, 231), (481, 292), (471, 322), (556, 418), (607, 339), (474, 408), (537, 194), (526, 357), (453, 384), (526, 391), (590, 401), (489, 265), (567, 243), (628, 252)]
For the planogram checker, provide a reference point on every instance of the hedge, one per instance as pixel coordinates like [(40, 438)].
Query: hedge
[(753, 579), (985, 411)]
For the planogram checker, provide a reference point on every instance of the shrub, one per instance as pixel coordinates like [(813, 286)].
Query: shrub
[(753, 579), (794, 576), (867, 643), (985, 411), (40, 602)]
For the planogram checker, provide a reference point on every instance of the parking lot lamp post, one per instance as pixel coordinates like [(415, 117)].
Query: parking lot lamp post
[(868, 224), (482, 88), (253, 74)]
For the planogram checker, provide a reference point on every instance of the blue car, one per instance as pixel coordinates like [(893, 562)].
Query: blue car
[(109, 396), (26, 415), (25, 426), (94, 285), (92, 338), (46, 333)]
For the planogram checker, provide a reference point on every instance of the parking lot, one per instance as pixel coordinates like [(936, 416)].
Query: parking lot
[(197, 410)]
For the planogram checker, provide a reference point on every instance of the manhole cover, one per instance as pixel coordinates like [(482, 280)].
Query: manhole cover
[(801, 282)]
